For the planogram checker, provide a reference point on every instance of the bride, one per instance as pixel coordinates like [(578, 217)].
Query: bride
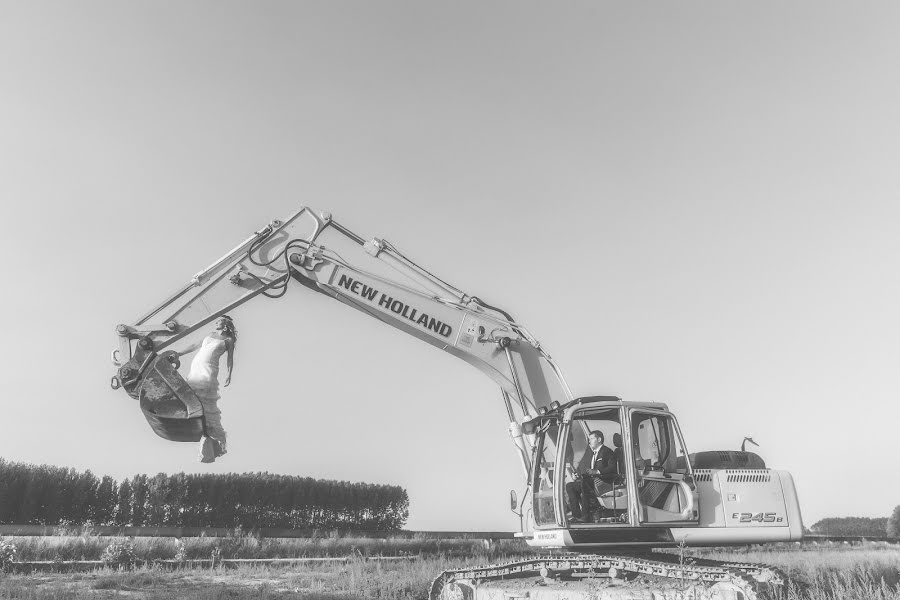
[(204, 380)]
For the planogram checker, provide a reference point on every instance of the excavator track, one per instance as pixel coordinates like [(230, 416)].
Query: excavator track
[(610, 577), (761, 573)]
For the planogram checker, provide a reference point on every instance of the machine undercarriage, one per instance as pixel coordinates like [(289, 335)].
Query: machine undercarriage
[(651, 576)]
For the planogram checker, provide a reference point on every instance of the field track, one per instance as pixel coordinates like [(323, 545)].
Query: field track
[(270, 532), (76, 566), (224, 532), (836, 572)]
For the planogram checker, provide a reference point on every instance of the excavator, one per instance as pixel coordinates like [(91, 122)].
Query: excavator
[(657, 496)]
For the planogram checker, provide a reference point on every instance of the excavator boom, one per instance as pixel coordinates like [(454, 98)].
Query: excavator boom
[(402, 294)]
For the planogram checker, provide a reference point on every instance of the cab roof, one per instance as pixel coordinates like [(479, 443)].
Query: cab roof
[(597, 402), (612, 401)]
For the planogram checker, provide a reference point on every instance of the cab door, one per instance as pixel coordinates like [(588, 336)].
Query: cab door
[(545, 490), (665, 490)]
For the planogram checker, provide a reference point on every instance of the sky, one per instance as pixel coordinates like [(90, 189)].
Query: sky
[(690, 203)]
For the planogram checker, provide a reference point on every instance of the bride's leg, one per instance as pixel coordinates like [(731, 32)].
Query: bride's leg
[(214, 428), (207, 450)]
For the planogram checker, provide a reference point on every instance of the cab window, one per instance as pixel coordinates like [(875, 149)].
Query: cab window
[(607, 422), (656, 444), (544, 470)]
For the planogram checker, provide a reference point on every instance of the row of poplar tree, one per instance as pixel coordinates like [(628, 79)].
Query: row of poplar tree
[(861, 526), (47, 495), (850, 526)]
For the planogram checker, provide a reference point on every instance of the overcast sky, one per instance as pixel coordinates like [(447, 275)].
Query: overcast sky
[(692, 203)]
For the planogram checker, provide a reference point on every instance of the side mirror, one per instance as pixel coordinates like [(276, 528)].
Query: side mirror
[(513, 501)]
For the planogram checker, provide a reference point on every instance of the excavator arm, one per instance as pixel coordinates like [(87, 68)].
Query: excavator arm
[(401, 294)]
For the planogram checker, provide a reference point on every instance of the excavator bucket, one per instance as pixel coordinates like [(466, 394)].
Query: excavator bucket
[(168, 402)]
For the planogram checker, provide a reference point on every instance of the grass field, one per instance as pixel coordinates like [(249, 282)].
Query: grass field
[(868, 571), (89, 547)]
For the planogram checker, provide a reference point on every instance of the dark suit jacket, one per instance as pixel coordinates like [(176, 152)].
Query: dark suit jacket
[(605, 463)]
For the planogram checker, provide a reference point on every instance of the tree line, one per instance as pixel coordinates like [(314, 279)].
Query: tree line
[(850, 526), (49, 495)]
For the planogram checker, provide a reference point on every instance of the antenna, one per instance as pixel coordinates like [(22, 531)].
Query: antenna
[(744, 443)]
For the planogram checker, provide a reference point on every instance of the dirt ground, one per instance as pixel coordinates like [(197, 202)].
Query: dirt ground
[(189, 585)]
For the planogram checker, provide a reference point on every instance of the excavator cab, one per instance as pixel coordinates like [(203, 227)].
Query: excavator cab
[(638, 476)]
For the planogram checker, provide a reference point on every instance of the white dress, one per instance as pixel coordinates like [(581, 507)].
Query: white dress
[(204, 380)]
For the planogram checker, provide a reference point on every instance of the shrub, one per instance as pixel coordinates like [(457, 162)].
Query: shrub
[(119, 555), (893, 524), (7, 554), (180, 551)]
